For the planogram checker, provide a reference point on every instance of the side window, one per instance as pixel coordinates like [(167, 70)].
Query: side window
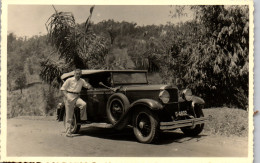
[(94, 82), (108, 81), (95, 79)]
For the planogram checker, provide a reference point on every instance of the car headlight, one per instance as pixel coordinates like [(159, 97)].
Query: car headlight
[(164, 96), (187, 94)]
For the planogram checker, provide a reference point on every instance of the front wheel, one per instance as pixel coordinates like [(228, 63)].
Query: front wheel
[(75, 127), (145, 125), (189, 131)]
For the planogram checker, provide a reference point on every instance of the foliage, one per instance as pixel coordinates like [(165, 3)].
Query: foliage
[(51, 98), (21, 82), (77, 47), (24, 57), (23, 67), (36, 100), (28, 103), (130, 37), (216, 65), (208, 54)]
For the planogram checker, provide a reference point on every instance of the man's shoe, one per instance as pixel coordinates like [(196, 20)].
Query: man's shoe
[(69, 135), (85, 121)]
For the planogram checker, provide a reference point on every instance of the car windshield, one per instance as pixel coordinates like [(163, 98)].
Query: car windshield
[(129, 78)]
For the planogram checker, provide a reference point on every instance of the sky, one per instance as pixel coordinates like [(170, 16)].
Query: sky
[(29, 20)]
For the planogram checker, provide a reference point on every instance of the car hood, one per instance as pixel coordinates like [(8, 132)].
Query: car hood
[(146, 87)]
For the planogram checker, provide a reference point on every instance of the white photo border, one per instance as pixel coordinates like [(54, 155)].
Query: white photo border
[(4, 20)]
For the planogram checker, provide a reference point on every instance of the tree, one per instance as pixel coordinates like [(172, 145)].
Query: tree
[(21, 82), (75, 47), (217, 58)]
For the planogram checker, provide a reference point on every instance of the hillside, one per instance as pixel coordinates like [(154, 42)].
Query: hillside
[(37, 99)]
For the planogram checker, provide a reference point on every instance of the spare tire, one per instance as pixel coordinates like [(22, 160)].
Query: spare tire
[(116, 107)]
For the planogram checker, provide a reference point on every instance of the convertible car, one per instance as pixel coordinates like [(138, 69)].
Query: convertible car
[(124, 98)]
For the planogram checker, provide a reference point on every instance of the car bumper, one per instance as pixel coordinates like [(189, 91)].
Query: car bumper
[(183, 123)]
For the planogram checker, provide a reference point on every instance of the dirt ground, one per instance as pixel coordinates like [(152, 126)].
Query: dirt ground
[(43, 136)]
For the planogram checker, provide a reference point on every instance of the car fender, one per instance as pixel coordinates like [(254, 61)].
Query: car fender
[(150, 103), (197, 100), (125, 119), (193, 99)]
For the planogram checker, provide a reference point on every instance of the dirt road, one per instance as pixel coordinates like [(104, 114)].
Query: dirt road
[(46, 137)]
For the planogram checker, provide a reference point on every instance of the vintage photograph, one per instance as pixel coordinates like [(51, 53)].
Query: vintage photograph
[(130, 81)]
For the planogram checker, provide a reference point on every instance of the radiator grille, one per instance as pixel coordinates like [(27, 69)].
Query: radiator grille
[(171, 109), (173, 95)]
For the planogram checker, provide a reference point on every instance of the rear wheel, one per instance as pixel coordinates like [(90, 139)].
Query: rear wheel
[(145, 125), (75, 127), (194, 131)]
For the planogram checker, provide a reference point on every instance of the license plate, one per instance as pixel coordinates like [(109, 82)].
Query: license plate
[(181, 113)]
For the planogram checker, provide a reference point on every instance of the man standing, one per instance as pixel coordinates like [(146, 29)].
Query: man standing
[(71, 89)]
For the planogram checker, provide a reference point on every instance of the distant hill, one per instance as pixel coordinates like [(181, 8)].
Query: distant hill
[(118, 59)]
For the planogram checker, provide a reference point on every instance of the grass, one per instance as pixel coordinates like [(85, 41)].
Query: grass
[(226, 121), (27, 103)]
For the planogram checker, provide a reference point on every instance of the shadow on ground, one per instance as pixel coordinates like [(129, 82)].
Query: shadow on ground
[(127, 134)]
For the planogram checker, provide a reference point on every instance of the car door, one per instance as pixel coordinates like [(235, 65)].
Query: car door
[(96, 100)]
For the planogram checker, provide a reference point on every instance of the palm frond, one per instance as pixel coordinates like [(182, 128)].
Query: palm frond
[(61, 33), (75, 47), (87, 23), (52, 70)]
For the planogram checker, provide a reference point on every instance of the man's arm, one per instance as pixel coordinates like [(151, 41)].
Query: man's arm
[(64, 88), (64, 92), (86, 84)]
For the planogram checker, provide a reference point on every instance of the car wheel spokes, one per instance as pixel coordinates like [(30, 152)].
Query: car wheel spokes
[(143, 124)]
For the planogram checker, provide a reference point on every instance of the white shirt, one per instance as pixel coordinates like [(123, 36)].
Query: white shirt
[(73, 85)]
